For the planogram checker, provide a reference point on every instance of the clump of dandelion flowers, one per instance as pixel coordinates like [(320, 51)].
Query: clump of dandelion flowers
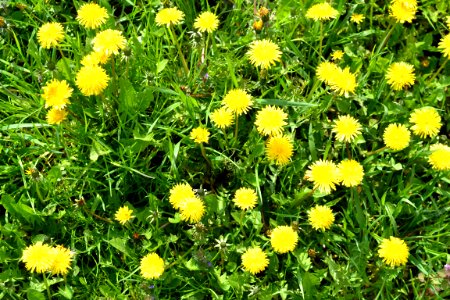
[(351, 172), (57, 93), (400, 75), (245, 198), (426, 122), (62, 258), (206, 21), (279, 148), (50, 34), (403, 10), (92, 15), (321, 11), (192, 209), (264, 53), (394, 251), (270, 120), (444, 45), (38, 257), (440, 157), (346, 128), (283, 239), (343, 82), (169, 16), (320, 217), (92, 80), (324, 174), (109, 41), (152, 266), (357, 18), (396, 137), (238, 101), (56, 116), (326, 71), (200, 135), (254, 260), (179, 193), (123, 215)]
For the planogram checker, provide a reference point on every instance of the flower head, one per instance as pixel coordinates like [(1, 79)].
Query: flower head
[(38, 257), (351, 172), (237, 101), (92, 15), (400, 74), (321, 217), (270, 120), (279, 148), (264, 53), (403, 10), (324, 174), (426, 120), (440, 157), (344, 82), (444, 45), (326, 71), (50, 34), (283, 239), (357, 18), (321, 11), (206, 21), (95, 58), (123, 215), (346, 128), (169, 16), (394, 251), (222, 117), (152, 266), (92, 80), (179, 193), (192, 209), (200, 135), (57, 93), (109, 41), (337, 55), (254, 260), (245, 198), (62, 258), (396, 137), (56, 116)]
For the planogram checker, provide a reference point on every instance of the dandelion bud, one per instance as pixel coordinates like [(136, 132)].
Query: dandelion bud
[(258, 25), (263, 13)]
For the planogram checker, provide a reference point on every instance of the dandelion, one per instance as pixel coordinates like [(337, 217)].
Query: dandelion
[(403, 10), (38, 257), (283, 239), (270, 120), (320, 217), (237, 101), (169, 16), (152, 266), (326, 71), (258, 25), (62, 258), (123, 215), (200, 135), (222, 117), (92, 15), (192, 209), (440, 157), (92, 80), (50, 34), (95, 58), (357, 18), (351, 172), (346, 128), (337, 55), (394, 251), (245, 198), (324, 174), (109, 41), (396, 137), (444, 45), (264, 53), (321, 11), (56, 116), (427, 122), (400, 74), (279, 149), (57, 93), (179, 193), (254, 260), (343, 82), (206, 21)]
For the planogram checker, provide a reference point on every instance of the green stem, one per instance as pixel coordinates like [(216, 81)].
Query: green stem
[(183, 60), (236, 128), (49, 295), (241, 223), (376, 151), (321, 39), (439, 71), (202, 148), (386, 38)]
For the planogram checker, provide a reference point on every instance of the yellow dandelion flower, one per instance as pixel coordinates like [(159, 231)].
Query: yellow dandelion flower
[(344, 82), (50, 34), (169, 16), (326, 71), (109, 41), (179, 193), (62, 258), (92, 80), (396, 137), (403, 10), (38, 257), (254, 260), (283, 239), (351, 172), (95, 58), (206, 21), (57, 93), (279, 148), (92, 15), (444, 45), (238, 101), (200, 135), (400, 74), (56, 116), (440, 157), (192, 209), (152, 266), (270, 120), (357, 18), (222, 117), (324, 174), (320, 217), (264, 53), (245, 198), (321, 11), (123, 215), (346, 128), (427, 122), (337, 55), (394, 251)]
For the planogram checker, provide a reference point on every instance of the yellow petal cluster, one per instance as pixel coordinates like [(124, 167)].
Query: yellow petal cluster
[(426, 122), (50, 34), (57, 93), (200, 135), (41, 258), (283, 239), (444, 45), (340, 80), (245, 198), (400, 75), (396, 137), (324, 174), (123, 215), (254, 260), (169, 16), (152, 266), (92, 80), (320, 217), (357, 18), (346, 128), (393, 251), (403, 10), (321, 11), (109, 41), (440, 157), (279, 148), (270, 120), (238, 101), (264, 53), (56, 116), (183, 198), (206, 21), (92, 15), (351, 172)]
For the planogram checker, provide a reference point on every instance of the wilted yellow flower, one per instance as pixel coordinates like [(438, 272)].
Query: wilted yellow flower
[(396, 137), (258, 25), (192, 209), (321, 11), (92, 15), (279, 148), (92, 80), (400, 74), (57, 93), (264, 53), (326, 71), (206, 21), (270, 120), (238, 101), (179, 193), (336, 55), (152, 266), (351, 172), (346, 128), (403, 10), (324, 174), (169, 16), (56, 116), (394, 251), (344, 82), (444, 45), (245, 198), (200, 135), (254, 260), (50, 34), (440, 157), (123, 215), (320, 217), (427, 122), (109, 41), (38, 257), (357, 18), (283, 239), (62, 258)]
